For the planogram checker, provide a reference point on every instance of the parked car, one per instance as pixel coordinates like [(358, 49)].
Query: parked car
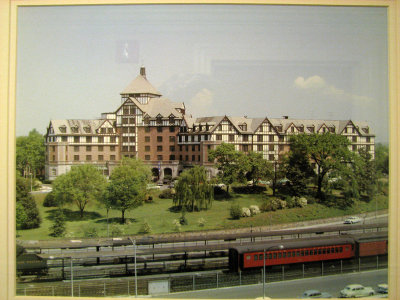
[(315, 294), (352, 220), (382, 288), (356, 290)]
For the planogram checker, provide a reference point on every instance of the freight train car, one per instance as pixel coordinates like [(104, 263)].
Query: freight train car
[(30, 263)]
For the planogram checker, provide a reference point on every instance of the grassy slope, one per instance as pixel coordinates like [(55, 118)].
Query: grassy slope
[(160, 217)]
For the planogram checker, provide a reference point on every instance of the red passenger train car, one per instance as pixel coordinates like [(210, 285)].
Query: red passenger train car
[(306, 250)]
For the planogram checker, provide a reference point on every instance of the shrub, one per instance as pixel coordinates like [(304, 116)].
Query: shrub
[(58, 228), (182, 219), (167, 194), (235, 211), (177, 225), (302, 202), (201, 222), (90, 232), (270, 204), (290, 201), (50, 200), (253, 189), (282, 204), (117, 230), (246, 212), (146, 228), (254, 209)]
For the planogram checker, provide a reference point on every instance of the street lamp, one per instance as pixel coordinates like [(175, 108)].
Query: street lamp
[(280, 247), (134, 247)]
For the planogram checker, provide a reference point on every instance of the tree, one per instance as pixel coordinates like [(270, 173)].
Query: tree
[(230, 163), (328, 151), (382, 158), (127, 187), (193, 191), (365, 172), (27, 213), (258, 167), (298, 170), (81, 185), (58, 228), (30, 153)]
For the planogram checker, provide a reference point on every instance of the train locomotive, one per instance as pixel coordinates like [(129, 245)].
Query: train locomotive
[(293, 251)]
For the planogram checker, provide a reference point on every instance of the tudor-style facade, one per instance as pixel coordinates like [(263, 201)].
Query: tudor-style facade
[(156, 130)]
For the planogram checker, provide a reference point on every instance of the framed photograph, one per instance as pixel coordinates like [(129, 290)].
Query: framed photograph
[(136, 127)]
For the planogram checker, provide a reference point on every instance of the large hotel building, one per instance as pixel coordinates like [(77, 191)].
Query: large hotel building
[(157, 130)]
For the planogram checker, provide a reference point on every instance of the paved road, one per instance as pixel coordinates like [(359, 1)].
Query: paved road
[(289, 289)]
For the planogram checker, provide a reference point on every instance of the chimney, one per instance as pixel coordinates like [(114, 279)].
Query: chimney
[(143, 72), (286, 117)]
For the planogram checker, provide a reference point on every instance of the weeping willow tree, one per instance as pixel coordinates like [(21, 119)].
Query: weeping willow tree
[(193, 190)]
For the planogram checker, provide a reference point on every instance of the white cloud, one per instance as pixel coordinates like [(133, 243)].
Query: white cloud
[(201, 103), (318, 84)]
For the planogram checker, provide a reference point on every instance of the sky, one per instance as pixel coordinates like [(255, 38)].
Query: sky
[(238, 60)]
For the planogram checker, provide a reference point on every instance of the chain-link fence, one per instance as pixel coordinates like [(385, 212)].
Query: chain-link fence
[(204, 280)]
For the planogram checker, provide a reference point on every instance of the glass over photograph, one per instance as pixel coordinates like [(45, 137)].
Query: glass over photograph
[(202, 151)]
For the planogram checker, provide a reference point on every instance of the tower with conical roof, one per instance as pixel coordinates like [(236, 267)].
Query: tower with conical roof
[(140, 88)]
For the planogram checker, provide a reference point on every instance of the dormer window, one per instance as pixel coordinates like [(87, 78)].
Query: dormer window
[(366, 129), (146, 120), (311, 129), (279, 128), (159, 120), (86, 129), (243, 127), (74, 129), (63, 129), (171, 120)]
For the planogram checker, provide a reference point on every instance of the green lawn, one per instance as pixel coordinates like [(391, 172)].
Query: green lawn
[(160, 216)]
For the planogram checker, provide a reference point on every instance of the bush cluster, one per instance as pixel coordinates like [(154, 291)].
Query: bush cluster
[(167, 194), (253, 189), (50, 200), (235, 211)]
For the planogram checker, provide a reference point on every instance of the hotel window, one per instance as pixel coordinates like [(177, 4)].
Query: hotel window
[(180, 147), (63, 129), (102, 130), (159, 120), (112, 157), (159, 157), (180, 157), (126, 111), (259, 147), (147, 139), (368, 147), (100, 139), (147, 129), (219, 127), (271, 138), (125, 139), (125, 148), (53, 148), (147, 157), (245, 138), (186, 157), (125, 129), (171, 120), (113, 139), (86, 129), (231, 137), (101, 158), (230, 127), (172, 139), (271, 157), (88, 139), (125, 121), (193, 147), (245, 148), (368, 139), (159, 148), (159, 129), (132, 148), (193, 157), (354, 139), (281, 147), (54, 158), (172, 148), (100, 148), (171, 129), (74, 129), (76, 139), (271, 147), (172, 157), (281, 138), (88, 148), (112, 148), (147, 148), (110, 130), (259, 138), (198, 157), (159, 138), (132, 139), (76, 157), (354, 148), (76, 148), (64, 138)]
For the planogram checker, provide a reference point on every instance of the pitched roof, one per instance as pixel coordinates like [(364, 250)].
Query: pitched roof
[(140, 85), (92, 125), (160, 106)]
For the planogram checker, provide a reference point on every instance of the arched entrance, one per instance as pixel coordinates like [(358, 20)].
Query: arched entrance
[(155, 173)]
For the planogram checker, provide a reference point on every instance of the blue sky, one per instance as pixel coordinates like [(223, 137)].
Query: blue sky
[(304, 62)]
